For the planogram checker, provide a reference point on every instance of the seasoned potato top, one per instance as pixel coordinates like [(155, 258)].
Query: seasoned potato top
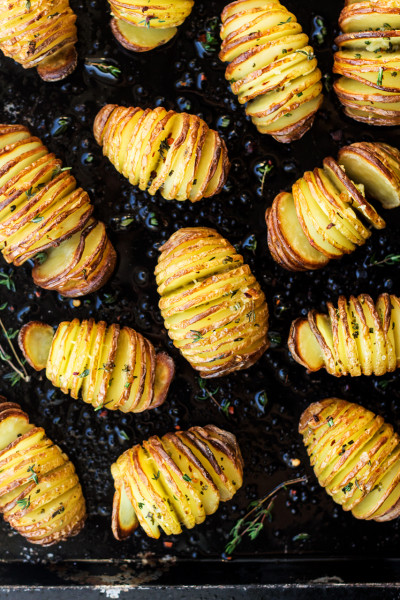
[(213, 307)]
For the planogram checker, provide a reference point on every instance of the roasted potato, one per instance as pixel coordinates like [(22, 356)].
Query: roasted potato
[(41, 34), (328, 214), (271, 67), (40, 493), (175, 153), (45, 217), (356, 338), (355, 456), (213, 308), (141, 25), (368, 61), (112, 367), (173, 481)]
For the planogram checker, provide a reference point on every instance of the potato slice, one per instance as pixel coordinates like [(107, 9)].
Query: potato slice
[(35, 339), (363, 339), (384, 310), (106, 365), (140, 39), (124, 519), (363, 166), (122, 374), (164, 373), (292, 235), (304, 347), (379, 351)]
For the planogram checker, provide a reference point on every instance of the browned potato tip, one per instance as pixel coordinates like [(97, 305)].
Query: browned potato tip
[(40, 493), (146, 24), (174, 480), (45, 217), (356, 338), (108, 367), (159, 150), (272, 68), (40, 34), (355, 456), (213, 307), (328, 213), (368, 62)]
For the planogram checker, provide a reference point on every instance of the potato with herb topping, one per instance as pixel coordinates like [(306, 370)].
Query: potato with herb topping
[(213, 307), (108, 367), (159, 150), (272, 68), (358, 337), (355, 456), (40, 493), (175, 480), (41, 34), (45, 217), (142, 25), (328, 214), (368, 61)]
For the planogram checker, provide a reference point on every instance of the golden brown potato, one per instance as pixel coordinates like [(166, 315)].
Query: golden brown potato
[(175, 153), (141, 25), (368, 61), (45, 217), (327, 214), (40, 493), (41, 34), (271, 67), (112, 367), (174, 480), (213, 308), (357, 338), (355, 456)]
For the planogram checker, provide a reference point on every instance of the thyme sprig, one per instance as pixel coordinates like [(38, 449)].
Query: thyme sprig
[(253, 521), (205, 393), (389, 260), (4, 356)]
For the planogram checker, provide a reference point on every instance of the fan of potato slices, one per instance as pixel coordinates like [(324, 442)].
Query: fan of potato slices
[(174, 480), (108, 367), (271, 67), (213, 307), (40, 493), (355, 456), (328, 213), (356, 338), (141, 25), (45, 217), (159, 150), (368, 61), (41, 34)]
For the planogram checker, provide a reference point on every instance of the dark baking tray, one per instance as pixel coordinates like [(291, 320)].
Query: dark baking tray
[(183, 76)]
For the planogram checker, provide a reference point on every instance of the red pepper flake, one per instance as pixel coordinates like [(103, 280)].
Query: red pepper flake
[(330, 225), (203, 77), (231, 410), (38, 294), (177, 426), (202, 37), (168, 544), (170, 141), (103, 413)]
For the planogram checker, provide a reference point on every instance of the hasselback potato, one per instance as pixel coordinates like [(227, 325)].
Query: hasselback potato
[(328, 213), (142, 25), (41, 34), (368, 61), (271, 67), (108, 367), (175, 153), (40, 493), (213, 307), (45, 217), (174, 480), (356, 338), (356, 457)]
